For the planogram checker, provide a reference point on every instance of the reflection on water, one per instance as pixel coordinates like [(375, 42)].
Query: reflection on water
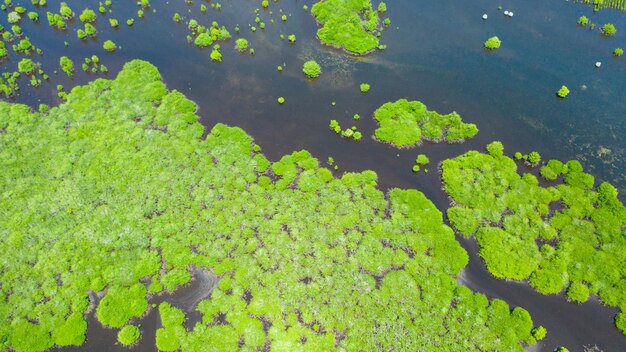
[(434, 54)]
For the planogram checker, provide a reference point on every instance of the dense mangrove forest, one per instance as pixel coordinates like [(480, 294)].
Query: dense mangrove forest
[(318, 175)]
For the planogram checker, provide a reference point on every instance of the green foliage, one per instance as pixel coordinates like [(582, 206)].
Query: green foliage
[(67, 65), (562, 92), (405, 124), (90, 30), (128, 335), (88, 15), (579, 246), (216, 55), (348, 24), (583, 21), (495, 149), (26, 66), (13, 17), (382, 7), (281, 100), (291, 38), (534, 158), (170, 316), (128, 189), (364, 87), (66, 11), (72, 332), (203, 40), (109, 46), (311, 68), (55, 20), (552, 170), (620, 322), (422, 160), (122, 303), (618, 52), (493, 43), (507, 256), (29, 337), (241, 44), (578, 292), (609, 30)]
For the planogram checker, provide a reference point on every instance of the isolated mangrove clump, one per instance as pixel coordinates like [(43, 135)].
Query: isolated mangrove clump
[(562, 92), (128, 193), (241, 44), (67, 65), (350, 25), (568, 236), (493, 43), (609, 30), (128, 335), (109, 46), (312, 69), (405, 123)]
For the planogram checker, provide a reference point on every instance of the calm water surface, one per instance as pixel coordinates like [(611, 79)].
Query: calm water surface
[(434, 55)]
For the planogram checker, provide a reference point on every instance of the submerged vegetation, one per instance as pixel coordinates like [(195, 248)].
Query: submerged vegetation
[(405, 123), (567, 236), (304, 260), (348, 24)]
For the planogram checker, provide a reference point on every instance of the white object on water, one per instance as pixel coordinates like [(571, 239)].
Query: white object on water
[(485, 16), (598, 64), (506, 13), (510, 13)]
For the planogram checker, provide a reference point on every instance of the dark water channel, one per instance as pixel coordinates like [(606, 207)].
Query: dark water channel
[(435, 55)]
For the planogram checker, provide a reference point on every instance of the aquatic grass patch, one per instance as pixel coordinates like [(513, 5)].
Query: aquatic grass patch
[(406, 123)]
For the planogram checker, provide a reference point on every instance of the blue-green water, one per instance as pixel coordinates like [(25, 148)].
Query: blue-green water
[(434, 54)]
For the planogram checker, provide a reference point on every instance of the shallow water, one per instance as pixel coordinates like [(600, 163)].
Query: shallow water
[(434, 54)]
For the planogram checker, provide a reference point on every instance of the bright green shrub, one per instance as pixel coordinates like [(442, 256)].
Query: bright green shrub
[(493, 43), (109, 46), (122, 303), (563, 92), (241, 44), (26, 66), (486, 189), (67, 65), (403, 124), (609, 30), (128, 335), (347, 24), (133, 191), (88, 15), (311, 68)]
